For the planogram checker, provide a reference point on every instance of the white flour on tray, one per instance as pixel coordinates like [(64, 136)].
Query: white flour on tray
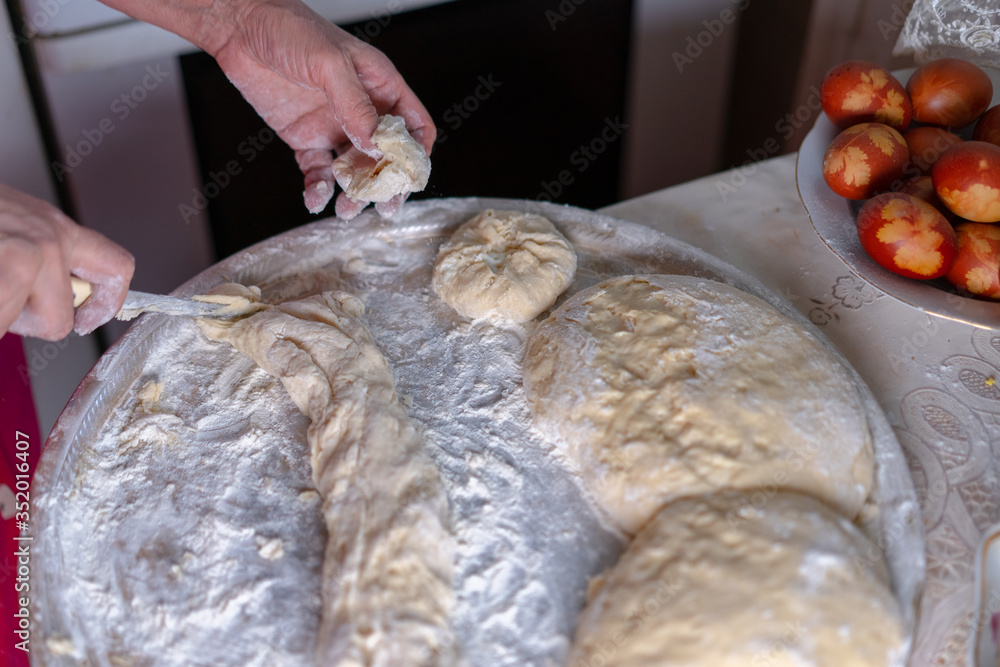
[(193, 520)]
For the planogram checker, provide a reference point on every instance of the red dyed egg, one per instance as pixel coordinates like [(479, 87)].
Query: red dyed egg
[(927, 144), (858, 91), (864, 159), (950, 92), (988, 126), (967, 179), (907, 236), (977, 268)]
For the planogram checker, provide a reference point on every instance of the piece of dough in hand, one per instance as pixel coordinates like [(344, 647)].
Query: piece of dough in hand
[(734, 580), (504, 265), (659, 387), (403, 168)]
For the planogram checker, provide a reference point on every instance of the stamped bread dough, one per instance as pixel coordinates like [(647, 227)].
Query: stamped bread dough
[(659, 387), (730, 580), (387, 568), (403, 168), (504, 265)]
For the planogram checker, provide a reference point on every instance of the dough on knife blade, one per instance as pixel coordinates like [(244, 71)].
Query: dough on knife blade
[(504, 265), (731, 580), (387, 569), (659, 387)]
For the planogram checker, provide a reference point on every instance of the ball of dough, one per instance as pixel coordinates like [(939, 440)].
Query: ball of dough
[(665, 386), (504, 265), (403, 168), (728, 580)]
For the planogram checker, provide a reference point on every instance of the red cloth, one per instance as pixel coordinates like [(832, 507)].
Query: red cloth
[(20, 447)]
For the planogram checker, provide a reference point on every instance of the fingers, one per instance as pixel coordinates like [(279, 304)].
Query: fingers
[(352, 107), (109, 268), (418, 121), (389, 208), (381, 87), (316, 166), (19, 266), (390, 93), (348, 208), (35, 295)]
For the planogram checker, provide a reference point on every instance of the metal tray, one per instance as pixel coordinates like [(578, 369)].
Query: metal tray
[(205, 549)]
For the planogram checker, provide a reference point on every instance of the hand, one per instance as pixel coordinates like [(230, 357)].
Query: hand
[(320, 89), (39, 248)]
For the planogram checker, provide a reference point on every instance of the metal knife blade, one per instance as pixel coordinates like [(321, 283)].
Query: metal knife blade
[(137, 303)]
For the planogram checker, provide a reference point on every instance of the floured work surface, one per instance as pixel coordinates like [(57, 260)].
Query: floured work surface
[(175, 519)]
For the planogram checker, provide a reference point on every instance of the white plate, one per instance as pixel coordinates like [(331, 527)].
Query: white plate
[(833, 217)]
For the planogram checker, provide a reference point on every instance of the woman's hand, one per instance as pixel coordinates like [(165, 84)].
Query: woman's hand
[(319, 88), (39, 248)]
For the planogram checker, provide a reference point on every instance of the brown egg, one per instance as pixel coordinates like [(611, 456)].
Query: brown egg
[(907, 235), (977, 268), (949, 92), (864, 160), (967, 179), (926, 144), (922, 187), (988, 126), (858, 91)]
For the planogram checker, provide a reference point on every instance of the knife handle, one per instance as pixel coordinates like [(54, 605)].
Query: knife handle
[(81, 290)]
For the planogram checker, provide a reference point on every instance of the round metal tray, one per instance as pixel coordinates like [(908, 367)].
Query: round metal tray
[(152, 555)]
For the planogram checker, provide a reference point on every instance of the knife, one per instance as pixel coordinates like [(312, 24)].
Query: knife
[(137, 303)]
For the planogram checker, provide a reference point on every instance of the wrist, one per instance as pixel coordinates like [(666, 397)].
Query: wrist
[(208, 24)]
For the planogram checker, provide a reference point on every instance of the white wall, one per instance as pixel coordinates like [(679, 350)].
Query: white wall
[(53, 369), (125, 141), (677, 109)]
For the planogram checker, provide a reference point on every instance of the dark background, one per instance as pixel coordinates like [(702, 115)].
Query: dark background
[(558, 88)]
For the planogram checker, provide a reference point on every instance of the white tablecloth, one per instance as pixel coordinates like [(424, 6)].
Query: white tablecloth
[(938, 380)]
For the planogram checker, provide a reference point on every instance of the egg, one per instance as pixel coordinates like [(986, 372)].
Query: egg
[(922, 187), (865, 159), (967, 179), (988, 126), (926, 144), (949, 92), (858, 91), (906, 235), (977, 267)]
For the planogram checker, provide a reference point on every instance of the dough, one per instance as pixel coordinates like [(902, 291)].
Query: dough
[(665, 386), (504, 265), (731, 580), (404, 167), (387, 569), (236, 301)]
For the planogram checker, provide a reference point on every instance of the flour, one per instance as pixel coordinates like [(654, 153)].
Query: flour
[(213, 532), (148, 546)]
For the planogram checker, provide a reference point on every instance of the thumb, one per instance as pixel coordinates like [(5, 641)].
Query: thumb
[(355, 112)]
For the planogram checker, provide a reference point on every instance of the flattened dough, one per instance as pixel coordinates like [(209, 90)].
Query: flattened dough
[(387, 569), (504, 265), (665, 386), (403, 168), (730, 580)]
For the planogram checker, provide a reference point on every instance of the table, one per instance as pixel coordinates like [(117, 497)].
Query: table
[(935, 378)]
